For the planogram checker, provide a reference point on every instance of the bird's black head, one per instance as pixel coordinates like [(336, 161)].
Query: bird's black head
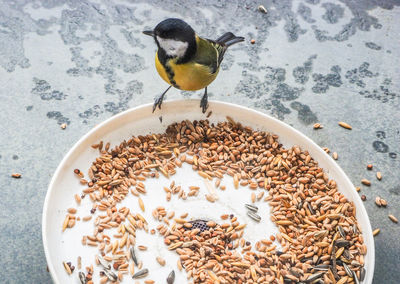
[(175, 39)]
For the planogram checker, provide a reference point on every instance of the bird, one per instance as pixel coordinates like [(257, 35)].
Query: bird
[(185, 60)]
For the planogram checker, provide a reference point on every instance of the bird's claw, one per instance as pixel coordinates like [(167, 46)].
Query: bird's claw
[(204, 104), (158, 102)]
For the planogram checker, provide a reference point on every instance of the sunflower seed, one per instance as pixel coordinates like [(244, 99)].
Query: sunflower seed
[(348, 270), (254, 216), (104, 263), (133, 255), (333, 260), (251, 207), (341, 231), (82, 277), (355, 230), (362, 274), (355, 278), (342, 243), (321, 267), (110, 275), (310, 208), (314, 277), (140, 274), (171, 277)]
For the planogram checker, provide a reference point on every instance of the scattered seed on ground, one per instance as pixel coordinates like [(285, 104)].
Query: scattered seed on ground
[(365, 182), (317, 126), (345, 125), (394, 219), (262, 9)]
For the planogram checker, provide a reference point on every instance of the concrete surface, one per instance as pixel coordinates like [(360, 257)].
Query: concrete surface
[(80, 62)]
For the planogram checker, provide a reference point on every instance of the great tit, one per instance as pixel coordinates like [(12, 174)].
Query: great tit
[(186, 61)]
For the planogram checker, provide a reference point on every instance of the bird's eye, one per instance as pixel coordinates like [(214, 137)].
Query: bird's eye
[(172, 48)]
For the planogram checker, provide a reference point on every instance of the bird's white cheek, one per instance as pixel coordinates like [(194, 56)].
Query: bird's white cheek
[(174, 48)]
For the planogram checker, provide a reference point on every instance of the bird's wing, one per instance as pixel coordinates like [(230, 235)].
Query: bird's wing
[(221, 48), (223, 42), (209, 53)]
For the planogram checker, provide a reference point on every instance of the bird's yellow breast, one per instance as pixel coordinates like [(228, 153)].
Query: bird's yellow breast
[(189, 76)]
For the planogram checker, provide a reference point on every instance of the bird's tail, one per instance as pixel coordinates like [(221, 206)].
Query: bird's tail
[(229, 39)]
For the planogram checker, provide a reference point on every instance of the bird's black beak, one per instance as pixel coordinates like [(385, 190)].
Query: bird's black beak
[(149, 33)]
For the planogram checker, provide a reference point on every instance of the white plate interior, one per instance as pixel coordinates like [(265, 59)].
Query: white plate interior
[(67, 246)]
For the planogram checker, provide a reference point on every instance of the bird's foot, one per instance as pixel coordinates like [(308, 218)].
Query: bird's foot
[(204, 102), (158, 102)]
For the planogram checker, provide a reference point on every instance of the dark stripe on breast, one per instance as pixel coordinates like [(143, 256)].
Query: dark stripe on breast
[(171, 75), (163, 58)]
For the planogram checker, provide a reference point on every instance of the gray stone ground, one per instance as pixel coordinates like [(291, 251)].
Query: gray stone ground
[(80, 62)]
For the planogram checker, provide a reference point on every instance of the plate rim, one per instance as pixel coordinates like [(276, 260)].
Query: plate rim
[(367, 232)]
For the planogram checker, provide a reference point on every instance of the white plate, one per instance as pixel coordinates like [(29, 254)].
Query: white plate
[(67, 246)]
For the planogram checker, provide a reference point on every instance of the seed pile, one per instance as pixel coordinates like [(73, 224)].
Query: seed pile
[(319, 235)]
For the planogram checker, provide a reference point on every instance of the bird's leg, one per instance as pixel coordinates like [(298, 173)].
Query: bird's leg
[(204, 101), (158, 101)]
